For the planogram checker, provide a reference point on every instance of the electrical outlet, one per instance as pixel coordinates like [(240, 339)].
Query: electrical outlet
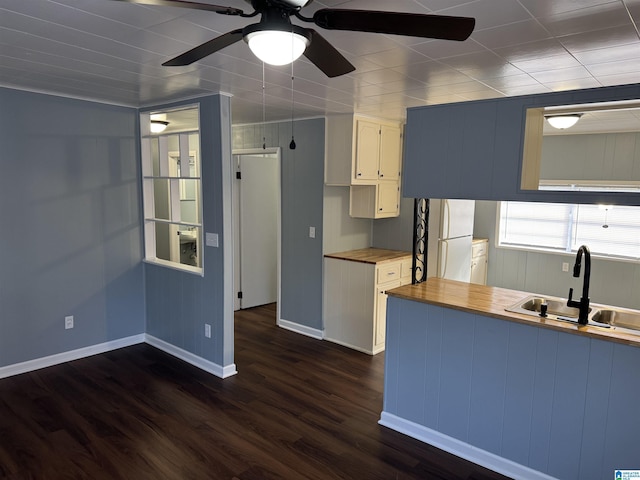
[(312, 232), (565, 267), (207, 330), (68, 322)]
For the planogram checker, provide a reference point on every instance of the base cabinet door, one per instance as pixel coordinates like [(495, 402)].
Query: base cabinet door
[(381, 312), (479, 261)]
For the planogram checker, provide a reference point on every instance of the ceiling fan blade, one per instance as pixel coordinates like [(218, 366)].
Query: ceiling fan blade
[(396, 23), (325, 56), (188, 4), (201, 51)]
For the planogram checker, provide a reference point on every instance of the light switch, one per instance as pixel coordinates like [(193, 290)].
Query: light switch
[(211, 239), (312, 232)]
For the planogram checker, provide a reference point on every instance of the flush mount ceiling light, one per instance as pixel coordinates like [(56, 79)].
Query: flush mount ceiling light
[(277, 47), (562, 122), (158, 126)]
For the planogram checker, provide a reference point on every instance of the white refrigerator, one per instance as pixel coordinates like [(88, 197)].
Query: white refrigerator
[(450, 238)]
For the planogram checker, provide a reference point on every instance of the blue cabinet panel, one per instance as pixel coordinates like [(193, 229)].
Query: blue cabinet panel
[(411, 382), (435, 319), (456, 371), (486, 415), (518, 396), (542, 402), (567, 416), (621, 450), (599, 371), (475, 166)]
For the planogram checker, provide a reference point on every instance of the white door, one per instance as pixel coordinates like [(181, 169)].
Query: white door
[(258, 229), (454, 259)]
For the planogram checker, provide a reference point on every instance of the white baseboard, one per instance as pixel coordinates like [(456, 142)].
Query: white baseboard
[(195, 360), (461, 449), (301, 329), (352, 347), (38, 363)]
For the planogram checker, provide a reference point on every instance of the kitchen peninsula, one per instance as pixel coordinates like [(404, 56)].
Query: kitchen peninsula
[(525, 396)]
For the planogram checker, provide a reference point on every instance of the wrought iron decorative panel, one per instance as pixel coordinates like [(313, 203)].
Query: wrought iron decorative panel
[(420, 239)]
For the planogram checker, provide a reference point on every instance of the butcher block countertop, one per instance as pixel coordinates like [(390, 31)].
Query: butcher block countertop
[(492, 301), (370, 255)]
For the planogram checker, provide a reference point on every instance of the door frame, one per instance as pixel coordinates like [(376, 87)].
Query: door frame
[(236, 216)]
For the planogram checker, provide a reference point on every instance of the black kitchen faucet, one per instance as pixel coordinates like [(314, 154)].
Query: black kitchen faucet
[(583, 304)]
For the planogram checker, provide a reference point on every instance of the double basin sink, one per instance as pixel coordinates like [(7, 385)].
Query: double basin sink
[(599, 315)]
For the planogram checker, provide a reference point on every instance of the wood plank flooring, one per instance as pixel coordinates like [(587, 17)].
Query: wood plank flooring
[(298, 409)]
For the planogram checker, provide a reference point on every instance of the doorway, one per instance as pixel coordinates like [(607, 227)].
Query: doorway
[(256, 227)]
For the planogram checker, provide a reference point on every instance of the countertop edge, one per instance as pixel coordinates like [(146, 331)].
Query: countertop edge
[(374, 256), (418, 293)]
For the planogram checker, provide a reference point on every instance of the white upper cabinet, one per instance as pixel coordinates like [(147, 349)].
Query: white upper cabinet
[(366, 155), (361, 150), (390, 152), (366, 161)]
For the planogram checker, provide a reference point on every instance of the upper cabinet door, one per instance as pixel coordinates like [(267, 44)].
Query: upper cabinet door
[(367, 152), (390, 152)]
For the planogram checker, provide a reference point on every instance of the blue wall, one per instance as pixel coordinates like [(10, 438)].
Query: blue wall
[(474, 149), (180, 303), (556, 402), (302, 191), (71, 234)]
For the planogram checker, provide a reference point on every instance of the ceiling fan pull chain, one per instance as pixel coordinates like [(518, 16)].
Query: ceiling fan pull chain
[(264, 124), (292, 145)]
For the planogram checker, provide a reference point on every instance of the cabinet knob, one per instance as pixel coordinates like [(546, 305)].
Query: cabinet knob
[(381, 175), (359, 174)]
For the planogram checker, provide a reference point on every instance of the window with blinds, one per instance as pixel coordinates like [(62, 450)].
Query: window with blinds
[(611, 231)]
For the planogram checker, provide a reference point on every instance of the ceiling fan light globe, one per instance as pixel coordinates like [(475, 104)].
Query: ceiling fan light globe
[(562, 122), (277, 47)]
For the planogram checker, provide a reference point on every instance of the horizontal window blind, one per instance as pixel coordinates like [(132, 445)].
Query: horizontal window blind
[(612, 231)]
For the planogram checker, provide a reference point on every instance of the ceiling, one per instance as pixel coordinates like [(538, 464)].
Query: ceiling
[(112, 52)]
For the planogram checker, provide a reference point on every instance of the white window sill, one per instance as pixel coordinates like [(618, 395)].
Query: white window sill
[(175, 266)]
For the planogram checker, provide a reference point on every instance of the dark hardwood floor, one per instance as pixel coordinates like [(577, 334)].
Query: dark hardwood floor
[(298, 409)]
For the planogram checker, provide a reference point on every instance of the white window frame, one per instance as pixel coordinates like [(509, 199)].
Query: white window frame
[(570, 224), (176, 179)]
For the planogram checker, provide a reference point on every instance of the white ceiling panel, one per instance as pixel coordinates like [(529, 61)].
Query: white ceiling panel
[(605, 15), (511, 34), (489, 13), (600, 39), (112, 51)]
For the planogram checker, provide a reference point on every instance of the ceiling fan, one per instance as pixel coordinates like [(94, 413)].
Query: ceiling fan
[(294, 40)]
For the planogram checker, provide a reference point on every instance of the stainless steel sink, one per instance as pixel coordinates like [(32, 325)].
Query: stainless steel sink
[(618, 318), (557, 309)]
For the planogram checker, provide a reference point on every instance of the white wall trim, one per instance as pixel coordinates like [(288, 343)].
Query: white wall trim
[(461, 449), (58, 358), (43, 362), (302, 329), (195, 360), (354, 347)]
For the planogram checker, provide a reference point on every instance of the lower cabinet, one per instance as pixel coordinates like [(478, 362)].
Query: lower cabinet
[(479, 260), (355, 300)]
